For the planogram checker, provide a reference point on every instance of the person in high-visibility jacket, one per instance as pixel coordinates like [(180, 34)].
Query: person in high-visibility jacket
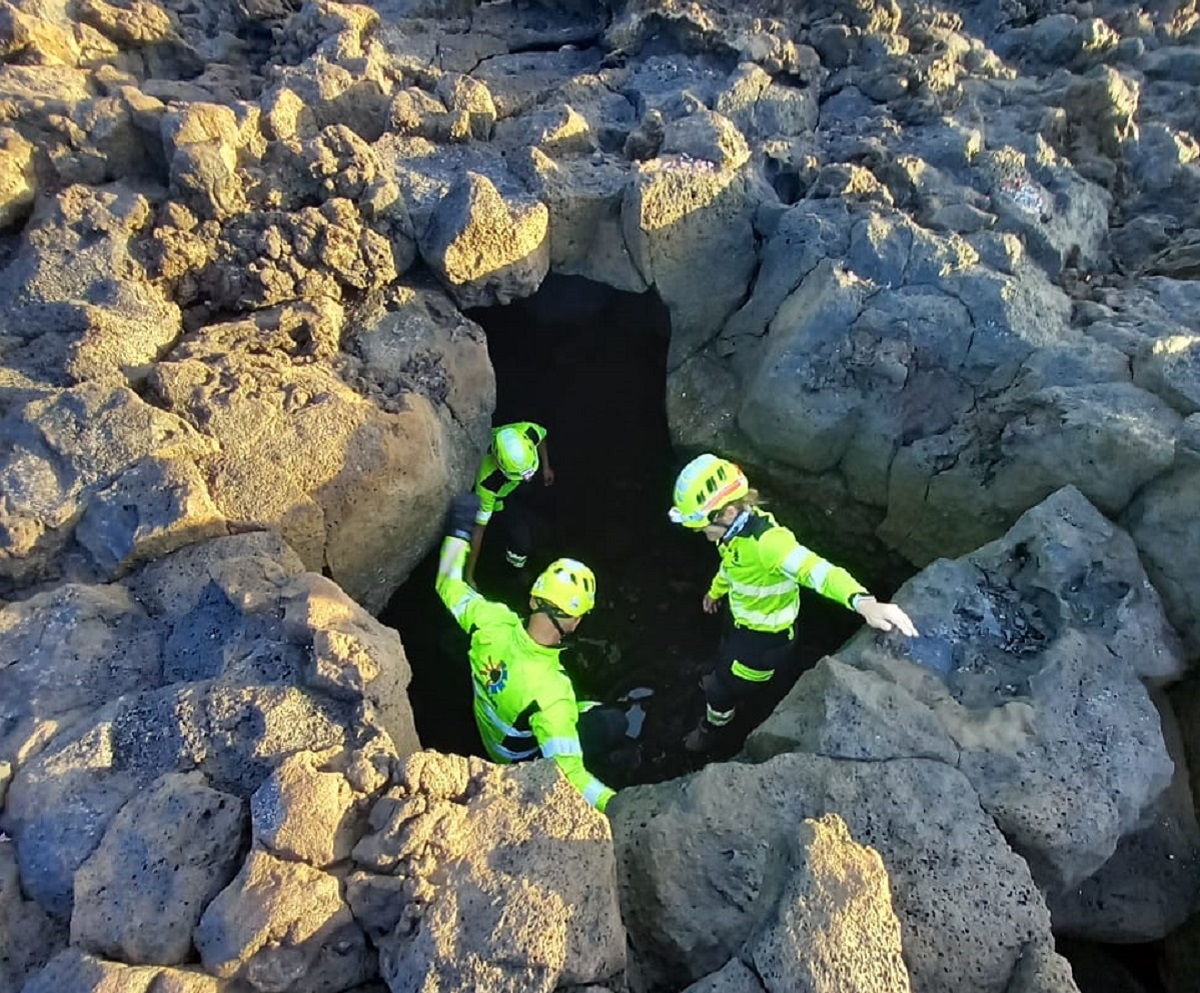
[(762, 568), (514, 456), (525, 705)]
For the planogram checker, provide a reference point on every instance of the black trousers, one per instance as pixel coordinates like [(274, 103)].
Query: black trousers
[(520, 523), (761, 652)]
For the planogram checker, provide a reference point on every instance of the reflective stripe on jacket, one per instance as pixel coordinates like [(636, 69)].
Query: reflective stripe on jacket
[(762, 569), (524, 701)]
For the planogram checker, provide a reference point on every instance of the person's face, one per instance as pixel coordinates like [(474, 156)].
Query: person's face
[(715, 531)]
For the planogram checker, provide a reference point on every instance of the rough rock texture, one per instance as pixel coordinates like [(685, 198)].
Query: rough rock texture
[(834, 918), (702, 860), (302, 814), (1149, 885), (346, 483), (165, 854), (1042, 970), (1027, 677), (509, 880), (227, 657), (61, 446), (1158, 519), (76, 971), (485, 250), (926, 264), (77, 296), (283, 926), (28, 936)]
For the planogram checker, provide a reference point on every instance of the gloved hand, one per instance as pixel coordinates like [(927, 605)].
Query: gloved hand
[(460, 521), (885, 616)]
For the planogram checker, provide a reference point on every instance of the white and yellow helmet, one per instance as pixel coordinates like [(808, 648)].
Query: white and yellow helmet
[(704, 486), (515, 454)]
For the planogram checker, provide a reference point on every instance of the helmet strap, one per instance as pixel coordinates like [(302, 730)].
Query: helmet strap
[(735, 526), (563, 634)]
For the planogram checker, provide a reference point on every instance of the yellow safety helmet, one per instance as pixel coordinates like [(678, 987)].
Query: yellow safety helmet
[(568, 585), (515, 454), (705, 485)]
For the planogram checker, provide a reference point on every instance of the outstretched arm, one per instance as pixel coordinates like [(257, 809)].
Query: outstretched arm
[(808, 568), (460, 598)]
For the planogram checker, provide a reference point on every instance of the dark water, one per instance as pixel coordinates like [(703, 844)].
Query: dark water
[(590, 365)]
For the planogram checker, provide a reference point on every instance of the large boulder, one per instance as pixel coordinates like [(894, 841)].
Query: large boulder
[(82, 973), (243, 660), (28, 935), (61, 448), (77, 291), (1161, 520), (508, 880), (487, 249), (356, 490), (703, 860), (687, 218), (283, 926), (1027, 677), (834, 918), (1148, 887), (67, 652), (301, 813), (164, 856), (414, 340)]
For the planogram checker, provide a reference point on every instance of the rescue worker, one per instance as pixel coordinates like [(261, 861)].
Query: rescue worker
[(514, 456), (762, 568), (525, 705)]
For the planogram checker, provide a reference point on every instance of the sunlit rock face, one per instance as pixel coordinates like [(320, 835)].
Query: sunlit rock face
[(926, 267)]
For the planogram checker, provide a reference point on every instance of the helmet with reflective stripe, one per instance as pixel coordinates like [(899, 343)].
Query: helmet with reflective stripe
[(705, 485), (515, 454), (567, 585)]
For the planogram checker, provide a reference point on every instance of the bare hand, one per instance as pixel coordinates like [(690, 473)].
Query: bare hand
[(709, 604), (547, 476), (885, 616)]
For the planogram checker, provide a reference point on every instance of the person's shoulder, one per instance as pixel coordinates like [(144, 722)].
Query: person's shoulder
[(776, 537)]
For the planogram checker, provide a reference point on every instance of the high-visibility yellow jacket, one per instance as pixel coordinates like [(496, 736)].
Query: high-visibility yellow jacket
[(491, 485), (524, 701), (762, 569)]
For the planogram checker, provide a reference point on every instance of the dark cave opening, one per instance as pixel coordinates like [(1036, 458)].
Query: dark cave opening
[(589, 364)]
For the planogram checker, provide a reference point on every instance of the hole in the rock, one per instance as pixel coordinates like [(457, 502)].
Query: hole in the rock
[(785, 181), (589, 363), (1105, 968)]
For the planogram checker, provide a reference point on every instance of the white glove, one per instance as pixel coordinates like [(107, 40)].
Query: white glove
[(885, 616)]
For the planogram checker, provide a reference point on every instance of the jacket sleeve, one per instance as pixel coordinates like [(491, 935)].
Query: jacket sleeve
[(719, 585), (469, 607), (487, 502), (555, 728), (806, 567)]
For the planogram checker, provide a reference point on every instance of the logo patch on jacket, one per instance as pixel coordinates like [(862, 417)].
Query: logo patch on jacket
[(497, 676)]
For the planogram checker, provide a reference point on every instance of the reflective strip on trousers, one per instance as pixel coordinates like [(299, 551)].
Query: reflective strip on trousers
[(751, 675), (718, 718), (775, 621)]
